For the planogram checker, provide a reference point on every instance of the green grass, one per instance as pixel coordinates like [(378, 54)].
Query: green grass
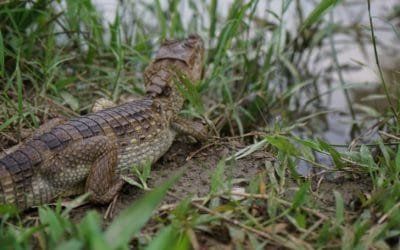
[(262, 84)]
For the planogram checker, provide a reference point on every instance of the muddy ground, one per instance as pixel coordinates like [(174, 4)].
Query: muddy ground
[(199, 162)]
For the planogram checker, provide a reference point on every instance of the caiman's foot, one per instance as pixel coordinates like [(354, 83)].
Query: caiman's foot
[(190, 128), (111, 208)]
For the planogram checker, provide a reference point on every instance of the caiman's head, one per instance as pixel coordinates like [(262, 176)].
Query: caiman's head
[(175, 57), (190, 51)]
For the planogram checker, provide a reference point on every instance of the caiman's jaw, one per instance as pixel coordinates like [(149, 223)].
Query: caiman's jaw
[(189, 51)]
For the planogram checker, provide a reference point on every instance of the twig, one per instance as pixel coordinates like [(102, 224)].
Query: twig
[(199, 150), (385, 216), (389, 135)]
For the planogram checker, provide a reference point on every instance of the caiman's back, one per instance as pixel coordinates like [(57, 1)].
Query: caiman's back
[(58, 161), (88, 153)]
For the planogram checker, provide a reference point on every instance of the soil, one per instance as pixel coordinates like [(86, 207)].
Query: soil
[(198, 162), (197, 178)]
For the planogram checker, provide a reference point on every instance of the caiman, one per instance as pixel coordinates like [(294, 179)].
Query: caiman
[(89, 153)]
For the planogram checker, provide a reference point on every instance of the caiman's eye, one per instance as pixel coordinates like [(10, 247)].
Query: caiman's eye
[(191, 41), (193, 36)]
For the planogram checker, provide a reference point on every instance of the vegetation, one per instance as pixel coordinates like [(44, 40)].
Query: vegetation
[(265, 84)]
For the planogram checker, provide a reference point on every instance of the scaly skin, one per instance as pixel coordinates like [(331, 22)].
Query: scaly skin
[(88, 153)]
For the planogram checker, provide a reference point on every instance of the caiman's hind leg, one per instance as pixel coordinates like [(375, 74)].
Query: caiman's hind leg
[(103, 182), (191, 128), (99, 155)]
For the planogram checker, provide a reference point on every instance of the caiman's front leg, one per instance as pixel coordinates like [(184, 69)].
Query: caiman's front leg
[(189, 127)]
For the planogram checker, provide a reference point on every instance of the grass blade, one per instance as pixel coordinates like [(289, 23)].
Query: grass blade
[(2, 72), (161, 19), (90, 228), (339, 207), (167, 238), (131, 220), (318, 12), (213, 18)]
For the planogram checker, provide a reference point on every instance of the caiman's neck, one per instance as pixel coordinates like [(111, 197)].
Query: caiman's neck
[(161, 78), (172, 103)]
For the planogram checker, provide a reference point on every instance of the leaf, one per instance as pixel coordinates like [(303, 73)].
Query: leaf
[(8, 209), (62, 83), (132, 219), (301, 219), (385, 152), (132, 181), (370, 111), (293, 71), (189, 90), (282, 144), (70, 100), (165, 239), (247, 150), (308, 143), (397, 159), (217, 178), (228, 32), (318, 12), (301, 196), (2, 56), (19, 88), (213, 14), (29, 232), (90, 228), (56, 223), (70, 244), (333, 152), (339, 203), (8, 122), (161, 19), (366, 157)]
